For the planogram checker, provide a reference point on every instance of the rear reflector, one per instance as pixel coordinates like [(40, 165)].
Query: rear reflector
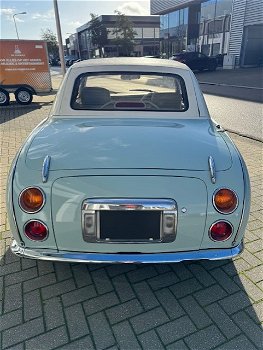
[(220, 231), (36, 230)]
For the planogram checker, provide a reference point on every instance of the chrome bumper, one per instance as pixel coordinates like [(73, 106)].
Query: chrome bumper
[(151, 258)]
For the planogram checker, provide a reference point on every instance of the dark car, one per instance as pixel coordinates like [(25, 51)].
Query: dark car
[(196, 60)]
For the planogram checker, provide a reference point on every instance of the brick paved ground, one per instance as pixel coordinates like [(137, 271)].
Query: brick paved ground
[(201, 305)]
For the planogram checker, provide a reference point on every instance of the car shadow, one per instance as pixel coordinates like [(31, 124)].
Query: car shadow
[(178, 301), (14, 110)]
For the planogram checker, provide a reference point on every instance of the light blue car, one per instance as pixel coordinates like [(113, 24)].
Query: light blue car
[(128, 168)]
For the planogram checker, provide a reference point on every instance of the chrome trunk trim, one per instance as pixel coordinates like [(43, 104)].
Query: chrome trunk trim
[(91, 209), (45, 168), (126, 258), (212, 169)]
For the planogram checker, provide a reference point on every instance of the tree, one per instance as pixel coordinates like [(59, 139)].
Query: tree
[(51, 39), (98, 32), (125, 34)]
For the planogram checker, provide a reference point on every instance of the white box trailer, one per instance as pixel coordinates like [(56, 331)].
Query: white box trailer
[(24, 70)]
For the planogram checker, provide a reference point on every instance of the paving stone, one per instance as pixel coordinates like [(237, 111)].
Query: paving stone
[(255, 274), (13, 297), (184, 288), (48, 340), (21, 276), (178, 345), (162, 268), (225, 281), (163, 280), (150, 340), (81, 275), (239, 343), (80, 344), (63, 271), (45, 267), (76, 322), (53, 312), (10, 268), (58, 289), (123, 288), (255, 311), (125, 336), (78, 295), (251, 330), (239, 265), (226, 325), (148, 320), (251, 289), (145, 295), (141, 273), (169, 303), (205, 339), (39, 282), (210, 295), (174, 330), (195, 312), (11, 319), (102, 281), (119, 269), (123, 311), (100, 303), (101, 332), (235, 302), (32, 305), (28, 263), (201, 274), (22, 332), (181, 271)]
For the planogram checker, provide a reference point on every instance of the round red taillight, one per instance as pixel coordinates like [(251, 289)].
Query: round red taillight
[(36, 230), (225, 201), (31, 199), (220, 231)]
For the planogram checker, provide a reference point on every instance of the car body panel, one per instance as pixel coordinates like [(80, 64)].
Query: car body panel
[(134, 144)]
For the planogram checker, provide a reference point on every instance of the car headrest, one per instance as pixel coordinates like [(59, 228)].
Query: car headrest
[(94, 96)]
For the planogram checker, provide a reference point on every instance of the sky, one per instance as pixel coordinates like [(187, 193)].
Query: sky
[(40, 15)]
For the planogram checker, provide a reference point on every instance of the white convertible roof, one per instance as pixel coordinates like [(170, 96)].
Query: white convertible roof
[(130, 61)]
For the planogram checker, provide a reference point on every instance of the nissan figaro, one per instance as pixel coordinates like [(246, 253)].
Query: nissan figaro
[(128, 168)]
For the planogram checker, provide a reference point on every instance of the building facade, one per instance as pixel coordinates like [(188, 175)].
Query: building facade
[(146, 39), (213, 27)]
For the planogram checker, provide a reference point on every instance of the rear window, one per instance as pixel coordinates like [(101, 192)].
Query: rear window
[(129, 91)]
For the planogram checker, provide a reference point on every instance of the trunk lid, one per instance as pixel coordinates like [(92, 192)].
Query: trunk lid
[(119, 144)]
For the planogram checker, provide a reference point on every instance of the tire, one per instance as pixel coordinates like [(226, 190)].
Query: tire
[(23, 96), (4, 97), (212, 67)]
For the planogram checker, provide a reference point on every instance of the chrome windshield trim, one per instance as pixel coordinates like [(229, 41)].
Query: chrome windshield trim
[(212, 169), (126, 258), (128, 204), (45, 168)]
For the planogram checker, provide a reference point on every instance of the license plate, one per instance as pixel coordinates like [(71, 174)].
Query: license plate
[(119, 225)]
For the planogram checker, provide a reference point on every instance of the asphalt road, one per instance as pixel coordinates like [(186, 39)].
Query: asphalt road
[(240, 116)]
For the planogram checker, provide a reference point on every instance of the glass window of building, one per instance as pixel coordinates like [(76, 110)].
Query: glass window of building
[(138, 33), (223, 7), (148, 33), (174, 19)]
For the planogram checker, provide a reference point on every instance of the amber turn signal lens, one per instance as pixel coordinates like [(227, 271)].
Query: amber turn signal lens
[(31, 199), (225, 201)]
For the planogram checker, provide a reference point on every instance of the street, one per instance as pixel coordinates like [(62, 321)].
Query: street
[(239, 116)]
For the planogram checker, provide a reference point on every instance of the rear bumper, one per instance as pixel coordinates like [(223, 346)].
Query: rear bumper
[(151, 258)]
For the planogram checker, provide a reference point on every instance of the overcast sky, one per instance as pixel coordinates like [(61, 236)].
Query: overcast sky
[(40, 15)]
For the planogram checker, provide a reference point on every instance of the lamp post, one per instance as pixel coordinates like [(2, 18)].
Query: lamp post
[(15, 14), (60, 44)]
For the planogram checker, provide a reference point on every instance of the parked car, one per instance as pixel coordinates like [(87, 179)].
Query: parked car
[(196, 60), (128, 168)]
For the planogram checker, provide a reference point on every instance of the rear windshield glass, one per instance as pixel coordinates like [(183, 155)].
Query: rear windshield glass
[(129, 91)]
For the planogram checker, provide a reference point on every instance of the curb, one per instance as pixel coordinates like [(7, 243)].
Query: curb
[(230, 85), (244, 135)]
